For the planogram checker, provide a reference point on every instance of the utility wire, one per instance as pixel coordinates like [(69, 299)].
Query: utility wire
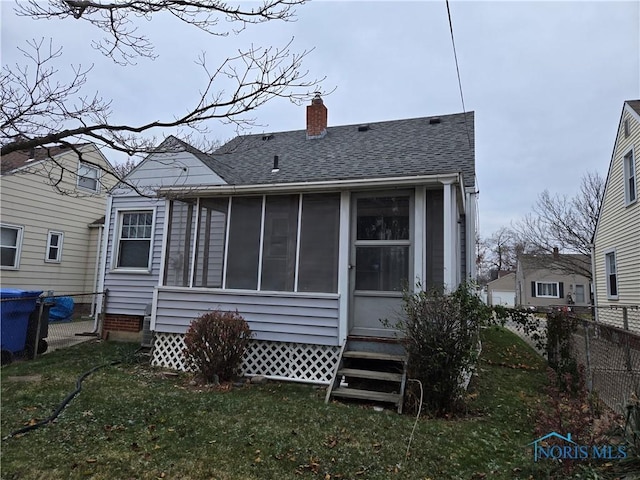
[(455, 56)]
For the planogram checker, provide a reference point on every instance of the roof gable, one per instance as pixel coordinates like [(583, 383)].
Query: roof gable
[(22, 158), (400, 148)]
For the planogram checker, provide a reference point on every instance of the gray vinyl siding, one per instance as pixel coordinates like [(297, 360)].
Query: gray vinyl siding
[(618, 226), (292, 317), (129, 292)]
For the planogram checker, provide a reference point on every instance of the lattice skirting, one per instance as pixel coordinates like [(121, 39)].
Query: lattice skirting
[(279, 360)]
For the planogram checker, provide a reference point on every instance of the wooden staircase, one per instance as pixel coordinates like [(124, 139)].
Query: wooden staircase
[(370, 369)]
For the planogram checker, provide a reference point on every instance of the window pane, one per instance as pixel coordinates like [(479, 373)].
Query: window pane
[(53, 253), (8, 256), (210, 247), (178, 258), (279, 252), (382, 268), (8, 237), (134, 253), (244, 242), (53, 240), (383, 218), (318, 268)]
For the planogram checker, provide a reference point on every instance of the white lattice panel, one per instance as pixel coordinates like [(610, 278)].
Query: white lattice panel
[(294, 361), (167, 351)]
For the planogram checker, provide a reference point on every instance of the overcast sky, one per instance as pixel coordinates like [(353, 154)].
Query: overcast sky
[(546, 80)]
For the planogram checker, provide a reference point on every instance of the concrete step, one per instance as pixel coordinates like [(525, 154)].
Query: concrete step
[(374, 356), (346, 392), (370, 374)]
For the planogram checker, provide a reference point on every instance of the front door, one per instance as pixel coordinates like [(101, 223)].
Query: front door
[(380, 260)]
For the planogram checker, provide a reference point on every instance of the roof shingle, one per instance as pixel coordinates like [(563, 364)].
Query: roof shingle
[(400, 148)]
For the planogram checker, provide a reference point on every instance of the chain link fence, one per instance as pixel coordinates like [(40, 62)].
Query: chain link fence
[(609, 351), (34, 324)]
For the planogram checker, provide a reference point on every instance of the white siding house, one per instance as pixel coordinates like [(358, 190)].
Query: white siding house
[(52, 201), (617, 237), (311, 235)]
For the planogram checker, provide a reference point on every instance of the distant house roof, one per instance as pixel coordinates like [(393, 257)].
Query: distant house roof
[(14, 160), (400, 148), (531, 262), (635, 104)]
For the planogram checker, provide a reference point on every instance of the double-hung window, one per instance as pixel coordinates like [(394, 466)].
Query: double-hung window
[(10, 243), (547, 289), (54, 247), (135, 232), (88, 177), (612, 275), (630, 192)]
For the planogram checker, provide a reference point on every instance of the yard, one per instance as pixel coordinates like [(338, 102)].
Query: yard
[(132, 421)]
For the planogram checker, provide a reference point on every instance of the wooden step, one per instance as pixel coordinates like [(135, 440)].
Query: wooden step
[(374, 356), (370, 374), (366, 395)]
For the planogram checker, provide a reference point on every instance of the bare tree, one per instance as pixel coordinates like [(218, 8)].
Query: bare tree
[(567, 224), (499, 252), (38, 109)]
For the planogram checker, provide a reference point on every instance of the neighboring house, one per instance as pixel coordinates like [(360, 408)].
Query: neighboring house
[(311, 235), (502, 290), (543, 280), (616, 242), (52, 205)]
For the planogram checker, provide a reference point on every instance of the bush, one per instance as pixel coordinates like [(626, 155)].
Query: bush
[(215, 344), (441, 337)]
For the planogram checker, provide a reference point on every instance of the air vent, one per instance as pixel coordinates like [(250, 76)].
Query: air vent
[(266, 138), (363, 128), (434, 120)]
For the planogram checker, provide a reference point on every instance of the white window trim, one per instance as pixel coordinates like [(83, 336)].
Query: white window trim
[(628, 174), (557, 284), (19, 237), (116, 241), (607, 272), (82, 164), (58, 258)]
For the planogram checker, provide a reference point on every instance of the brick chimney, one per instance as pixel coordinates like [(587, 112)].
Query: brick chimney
[(316, 118), (556, 254)]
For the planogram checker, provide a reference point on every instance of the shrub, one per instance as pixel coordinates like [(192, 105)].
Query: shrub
[(441, 338), (215, 343)]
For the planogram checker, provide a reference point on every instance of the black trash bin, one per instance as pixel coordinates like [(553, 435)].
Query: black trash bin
[(32, 330)]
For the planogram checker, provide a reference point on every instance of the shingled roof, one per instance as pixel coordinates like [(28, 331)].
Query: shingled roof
[(20, 158), (400, 148), (635, 104)]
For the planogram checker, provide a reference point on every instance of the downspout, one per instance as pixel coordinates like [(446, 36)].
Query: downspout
[(592, 248), (97, 271), (103, 263)]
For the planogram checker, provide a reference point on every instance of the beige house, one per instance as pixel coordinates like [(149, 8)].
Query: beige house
[(617, 237), (546, 280), (52, 213), (502, 290)]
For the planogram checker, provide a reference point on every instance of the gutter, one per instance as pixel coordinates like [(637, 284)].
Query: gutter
[(199, 190)]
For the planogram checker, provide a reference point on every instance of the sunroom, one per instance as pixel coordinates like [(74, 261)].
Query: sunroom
[(307, 265)]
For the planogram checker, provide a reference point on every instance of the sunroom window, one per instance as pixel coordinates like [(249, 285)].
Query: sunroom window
[(272, 243)]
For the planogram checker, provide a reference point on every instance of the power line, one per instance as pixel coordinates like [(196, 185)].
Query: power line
[(455, 56)]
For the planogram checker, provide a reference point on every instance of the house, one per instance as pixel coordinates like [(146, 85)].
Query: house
[(616, 243), (52, 202), (502, 290), (547, 280), (311, 235)]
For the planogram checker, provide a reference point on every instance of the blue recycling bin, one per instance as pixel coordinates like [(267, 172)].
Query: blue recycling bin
[(15, 307)]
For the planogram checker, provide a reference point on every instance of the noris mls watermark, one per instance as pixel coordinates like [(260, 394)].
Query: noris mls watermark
[(564, 448)]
